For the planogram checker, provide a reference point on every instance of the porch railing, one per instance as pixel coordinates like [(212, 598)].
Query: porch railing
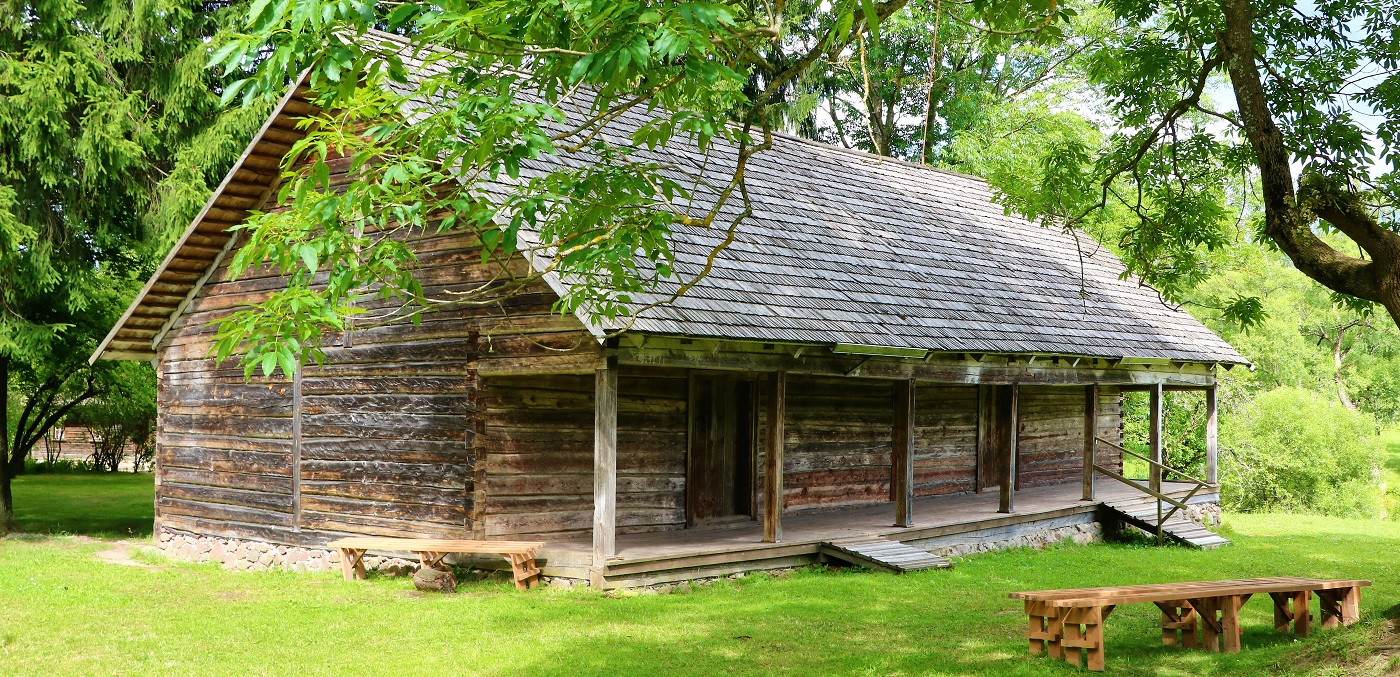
[(1162, 471)]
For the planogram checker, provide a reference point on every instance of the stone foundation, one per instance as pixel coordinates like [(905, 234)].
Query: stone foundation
[(1040, 534), (1204, 514), (239, 555)]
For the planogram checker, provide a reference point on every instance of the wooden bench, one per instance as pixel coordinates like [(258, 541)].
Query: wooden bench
[(1064, 622), (430, 551)]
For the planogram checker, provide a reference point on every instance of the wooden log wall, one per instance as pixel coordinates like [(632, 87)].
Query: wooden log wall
[(837, 449), (387, 425), (536, 453), (1052, 433), (945, 439)]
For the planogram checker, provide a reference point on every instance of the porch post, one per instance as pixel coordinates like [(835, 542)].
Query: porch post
[(902, 452), (1008, 477), (604, 468), (773, 460), (1212, 436), (1091, 432), (1154, 475)]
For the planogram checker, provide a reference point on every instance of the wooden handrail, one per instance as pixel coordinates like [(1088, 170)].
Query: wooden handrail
[(1159, 495), (1151, 462)]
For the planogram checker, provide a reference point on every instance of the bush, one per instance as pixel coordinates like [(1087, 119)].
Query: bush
[(1294, 450)]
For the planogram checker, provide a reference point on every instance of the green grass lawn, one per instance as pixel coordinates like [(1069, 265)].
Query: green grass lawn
[(106, 504), (64, 610)]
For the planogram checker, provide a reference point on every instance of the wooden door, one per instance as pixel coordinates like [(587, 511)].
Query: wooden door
[(720, 465), (993, 435)]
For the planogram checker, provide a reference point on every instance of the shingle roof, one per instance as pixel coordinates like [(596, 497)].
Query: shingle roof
[(848, 247), (842, 247)]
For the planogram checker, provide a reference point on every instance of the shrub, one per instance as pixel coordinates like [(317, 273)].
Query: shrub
[(1294, 450)]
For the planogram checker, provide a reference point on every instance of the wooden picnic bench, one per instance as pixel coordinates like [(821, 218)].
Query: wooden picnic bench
[(1065, 622), (430, 552)]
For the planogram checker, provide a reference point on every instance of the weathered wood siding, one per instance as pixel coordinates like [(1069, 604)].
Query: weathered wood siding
[(837, 448), (1052, 433), (536, 453), (387, 425), (945, 439)]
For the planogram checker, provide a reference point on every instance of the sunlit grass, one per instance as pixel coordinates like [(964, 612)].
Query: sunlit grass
[(64, 611)]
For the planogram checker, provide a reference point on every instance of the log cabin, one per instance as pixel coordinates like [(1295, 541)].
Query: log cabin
[(883, 367)]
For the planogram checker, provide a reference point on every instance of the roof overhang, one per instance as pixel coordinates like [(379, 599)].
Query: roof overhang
[(196, 255)]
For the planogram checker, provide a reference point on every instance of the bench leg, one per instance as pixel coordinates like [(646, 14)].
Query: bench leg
[(1042, 634), (526, 574), (1206, 609), (1178, 617), (1094, 636), (1330, 607), (1230, 622), (1302, 616), (1083, 629), (352, 564), (1351, 605), (430, 560)]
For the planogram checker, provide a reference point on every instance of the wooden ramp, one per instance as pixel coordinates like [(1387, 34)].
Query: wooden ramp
[(874, 552), (1142, 513)]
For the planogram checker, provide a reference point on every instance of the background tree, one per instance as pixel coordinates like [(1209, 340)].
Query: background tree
[(111, 136), (1290, 76)]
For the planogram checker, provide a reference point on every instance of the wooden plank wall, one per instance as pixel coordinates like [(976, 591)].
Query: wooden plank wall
[(945, 439), (837, 448), (387, 444), (536, 453), (1052, 432)]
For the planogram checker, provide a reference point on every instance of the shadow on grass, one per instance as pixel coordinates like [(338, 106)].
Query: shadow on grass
[(107, 505)]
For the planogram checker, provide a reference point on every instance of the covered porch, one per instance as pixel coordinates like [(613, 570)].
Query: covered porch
[(777, 537), (940, 522)]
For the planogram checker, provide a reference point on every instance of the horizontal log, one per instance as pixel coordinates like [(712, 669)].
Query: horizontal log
[(354, 508), (397, 493), (262, 499), (224, 460), (226, 513), (276, 484), (453, 476)]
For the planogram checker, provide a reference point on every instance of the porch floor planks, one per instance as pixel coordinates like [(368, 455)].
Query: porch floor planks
[(933, 516)]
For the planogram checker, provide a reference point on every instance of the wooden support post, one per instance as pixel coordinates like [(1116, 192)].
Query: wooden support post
[(1302, 613), (1351, 605), (773, 460), (1212, 436), (1154, 475), (1282, 616), (604, 469), (1091, 432), (902, 452), (296, 448), (1230, 623), (1207, 618), (1008, 478)]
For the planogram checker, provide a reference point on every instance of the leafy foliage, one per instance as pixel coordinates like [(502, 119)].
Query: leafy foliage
[(111, 135), (427, 150), (1292, 450)]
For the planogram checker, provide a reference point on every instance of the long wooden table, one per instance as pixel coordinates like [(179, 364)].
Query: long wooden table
[(1064, 623), (430, 552)]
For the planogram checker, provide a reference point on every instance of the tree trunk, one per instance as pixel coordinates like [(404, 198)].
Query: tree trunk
[(1338, 358), (7, 501), (1289, 211)]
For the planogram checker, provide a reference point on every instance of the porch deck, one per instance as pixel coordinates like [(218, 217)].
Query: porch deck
[(660, 557)]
